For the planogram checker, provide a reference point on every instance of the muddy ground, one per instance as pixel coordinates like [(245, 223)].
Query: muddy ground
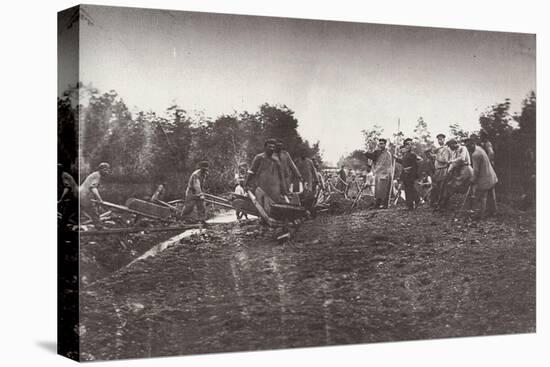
[(366, 276)]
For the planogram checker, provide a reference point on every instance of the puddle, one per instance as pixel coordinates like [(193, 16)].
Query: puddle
[(221, 218)]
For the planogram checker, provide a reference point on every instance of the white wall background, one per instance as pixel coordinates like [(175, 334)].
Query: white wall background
[(28, 158)]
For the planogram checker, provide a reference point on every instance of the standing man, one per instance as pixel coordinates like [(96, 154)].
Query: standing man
[(265, 177), (89, 190), (459, 172), (307, 172), (320, 179), (409, 174), (343, 179), (382, 160), (239, 190), (369, 182), (194, 194), (487, 146), (441, 156), (483, 179), (67, 194), (289, 170)]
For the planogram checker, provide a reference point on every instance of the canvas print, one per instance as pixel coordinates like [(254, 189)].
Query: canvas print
[(239, 183)]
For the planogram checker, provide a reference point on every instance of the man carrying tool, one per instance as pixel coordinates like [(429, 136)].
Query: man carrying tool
[(288, 168), (194, 194), (89, 191), (382, 161), (483, 180), (459, 172), (409, 174), (441, 157), (265, 177)]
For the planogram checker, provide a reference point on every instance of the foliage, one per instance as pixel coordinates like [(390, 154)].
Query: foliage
[(143, 147)]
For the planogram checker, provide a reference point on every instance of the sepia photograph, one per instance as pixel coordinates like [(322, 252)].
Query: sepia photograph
[(239, 183)]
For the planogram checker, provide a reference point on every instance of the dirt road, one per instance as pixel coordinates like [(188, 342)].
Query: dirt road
[(369, 276)]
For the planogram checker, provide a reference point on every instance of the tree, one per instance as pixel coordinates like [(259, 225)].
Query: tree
[(371, 136), (422, 137), (457, 132)]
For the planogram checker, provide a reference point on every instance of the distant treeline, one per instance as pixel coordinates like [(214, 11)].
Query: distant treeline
[(144, 147)]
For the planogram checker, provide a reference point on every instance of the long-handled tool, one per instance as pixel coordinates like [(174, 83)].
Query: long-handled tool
[(466, 198)]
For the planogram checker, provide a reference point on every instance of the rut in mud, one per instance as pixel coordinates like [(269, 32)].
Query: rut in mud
[(369, 276)]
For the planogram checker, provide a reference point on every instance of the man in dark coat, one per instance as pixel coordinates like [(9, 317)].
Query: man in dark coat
[(409, 174), (265, 177)]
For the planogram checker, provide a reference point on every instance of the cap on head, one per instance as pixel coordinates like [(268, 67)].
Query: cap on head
[(103, 166), (203, 164), (408, 140), (452, 142), (442, 136), (382, 140), (270, 141)]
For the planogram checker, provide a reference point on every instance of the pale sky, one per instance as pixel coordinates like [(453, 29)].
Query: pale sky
[(338, 77)]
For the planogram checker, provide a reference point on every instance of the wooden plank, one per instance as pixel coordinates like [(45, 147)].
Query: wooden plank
[(128, 210), (103, 232)]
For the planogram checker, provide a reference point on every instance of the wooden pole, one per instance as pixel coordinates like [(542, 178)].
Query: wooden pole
[(393, 161)]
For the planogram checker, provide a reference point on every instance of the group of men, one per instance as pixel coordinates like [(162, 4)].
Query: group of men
[(273, 176), (466, 168)]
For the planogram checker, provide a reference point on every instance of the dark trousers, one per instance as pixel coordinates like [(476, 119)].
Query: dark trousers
[(411, 195)]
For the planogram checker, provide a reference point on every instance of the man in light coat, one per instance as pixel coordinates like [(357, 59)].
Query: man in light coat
[(483, 180), (382, 161)]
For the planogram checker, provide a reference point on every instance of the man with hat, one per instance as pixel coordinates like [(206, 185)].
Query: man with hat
[(89, 190), (441, 157), (483, 179), (194, 194), (382, 162), (459, 172), (265, 177), (409, 174)]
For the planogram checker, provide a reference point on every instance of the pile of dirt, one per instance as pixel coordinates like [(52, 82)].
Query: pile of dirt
[(366, 276)]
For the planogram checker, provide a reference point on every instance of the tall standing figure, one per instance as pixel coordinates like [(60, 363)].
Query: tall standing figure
[(483, 179), (382, 162), (442, 157)]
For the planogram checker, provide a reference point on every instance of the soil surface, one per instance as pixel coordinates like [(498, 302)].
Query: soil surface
[(360, 277)]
